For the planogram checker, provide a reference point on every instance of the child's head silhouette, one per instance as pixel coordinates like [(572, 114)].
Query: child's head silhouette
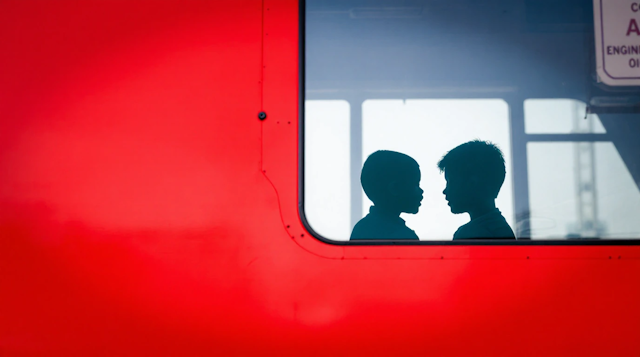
[(391, 180), (474, 172)]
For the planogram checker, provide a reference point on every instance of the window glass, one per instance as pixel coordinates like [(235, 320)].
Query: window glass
[(326, 171), (581, 189), (559, 116), (426, 129), (422, 77)]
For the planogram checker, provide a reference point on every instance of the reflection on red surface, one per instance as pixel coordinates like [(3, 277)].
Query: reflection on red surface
[(144, 210)]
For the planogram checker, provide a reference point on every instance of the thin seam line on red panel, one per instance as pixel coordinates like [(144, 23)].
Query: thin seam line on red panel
[(261, 84), (262, 60), (262, 170), (285, 226)]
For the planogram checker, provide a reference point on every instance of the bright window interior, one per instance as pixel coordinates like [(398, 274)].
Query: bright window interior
[(326, 171), (578, 189), (426, 129), (421, 77), (581, 190), (559, 116)]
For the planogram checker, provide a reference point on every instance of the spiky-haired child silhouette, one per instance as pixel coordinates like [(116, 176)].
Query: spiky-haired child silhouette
[(391, 180), (475, 172)]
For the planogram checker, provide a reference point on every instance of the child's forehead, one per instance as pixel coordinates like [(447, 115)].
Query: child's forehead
[(453, 174), (410, 168), (410, 172)]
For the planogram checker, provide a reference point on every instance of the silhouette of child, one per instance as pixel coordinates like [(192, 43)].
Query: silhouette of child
[(475, 173), (391, 181)]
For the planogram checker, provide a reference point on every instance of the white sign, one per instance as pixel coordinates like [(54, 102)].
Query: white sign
[(617, 34)]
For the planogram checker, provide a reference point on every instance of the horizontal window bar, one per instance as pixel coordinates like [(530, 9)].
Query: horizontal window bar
[(567, 137)]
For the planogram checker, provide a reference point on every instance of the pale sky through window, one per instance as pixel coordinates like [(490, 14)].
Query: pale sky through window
[(426, 129)]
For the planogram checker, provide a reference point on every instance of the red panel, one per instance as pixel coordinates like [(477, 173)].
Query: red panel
[(144, 210)]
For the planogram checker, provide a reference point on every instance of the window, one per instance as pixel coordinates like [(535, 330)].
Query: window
[(426, 129), (421, 77), (578, 189), (559, 116), (327, 187)]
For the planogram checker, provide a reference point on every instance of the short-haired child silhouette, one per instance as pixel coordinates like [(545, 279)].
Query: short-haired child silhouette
[(391, 180), (475, 173)]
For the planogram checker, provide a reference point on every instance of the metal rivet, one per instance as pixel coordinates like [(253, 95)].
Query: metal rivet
[(262, 115)]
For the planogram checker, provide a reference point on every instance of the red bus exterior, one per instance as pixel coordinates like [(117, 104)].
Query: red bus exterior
[(145, 209)]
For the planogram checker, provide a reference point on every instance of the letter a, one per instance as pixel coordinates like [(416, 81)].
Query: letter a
[(633, 27)]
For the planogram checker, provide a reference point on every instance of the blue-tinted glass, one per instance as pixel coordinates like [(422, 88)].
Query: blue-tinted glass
[(422, 77)]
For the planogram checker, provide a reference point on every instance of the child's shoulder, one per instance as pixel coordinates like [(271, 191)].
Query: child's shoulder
[(471, 230), (371, 227), (364, 229), (492, 226)]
